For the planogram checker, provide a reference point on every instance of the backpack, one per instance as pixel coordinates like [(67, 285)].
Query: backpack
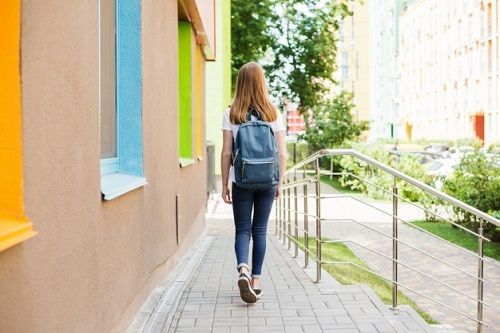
[(255, 154)]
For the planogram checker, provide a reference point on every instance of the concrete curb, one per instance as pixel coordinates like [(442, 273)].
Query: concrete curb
[(158, 310)]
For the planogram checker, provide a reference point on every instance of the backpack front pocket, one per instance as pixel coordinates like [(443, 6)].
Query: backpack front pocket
[(257, 171)]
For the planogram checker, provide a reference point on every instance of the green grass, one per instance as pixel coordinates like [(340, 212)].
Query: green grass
[(351, 275), (335, 183), (459, 237)]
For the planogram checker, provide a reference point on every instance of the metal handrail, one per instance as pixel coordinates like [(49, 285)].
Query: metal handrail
[(405, 265), (407, 223), (408, 201), (400, 175), (284, 224)]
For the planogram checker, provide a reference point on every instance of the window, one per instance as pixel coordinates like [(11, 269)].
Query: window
[(14, 226), (490, 57), (108, 78), (489, 20), (120, 97), (344, 66), (357, 65), (199, 96), (185, 93)]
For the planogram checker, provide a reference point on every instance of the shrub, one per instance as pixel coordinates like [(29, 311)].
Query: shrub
[(405, 163), (476, 181)]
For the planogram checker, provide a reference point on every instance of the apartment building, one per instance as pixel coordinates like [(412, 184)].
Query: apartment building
[(354, 58), (384, 75), (449, 67)]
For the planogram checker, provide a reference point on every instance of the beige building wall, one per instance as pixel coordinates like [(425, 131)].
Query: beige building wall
[(449, 62), (354, 58), (94, 261)]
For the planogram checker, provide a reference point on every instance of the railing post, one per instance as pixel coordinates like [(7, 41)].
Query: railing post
[(331, 167), (395, 245), (480, 274), (289, 221), (281, 215), (318, 221), (286, 212), (276, 212), (306, 224), (296, 216)]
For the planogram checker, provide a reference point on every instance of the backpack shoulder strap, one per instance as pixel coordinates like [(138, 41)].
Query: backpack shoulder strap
[(253, 112)]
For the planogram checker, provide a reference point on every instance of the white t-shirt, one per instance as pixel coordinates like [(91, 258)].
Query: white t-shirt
[(276, 125)]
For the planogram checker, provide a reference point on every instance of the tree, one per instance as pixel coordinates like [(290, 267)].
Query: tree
[(332, 124), (296, 40), (304, 57), (251, 37)]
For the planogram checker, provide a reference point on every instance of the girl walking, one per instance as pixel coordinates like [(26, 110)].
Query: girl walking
[(251, 104)]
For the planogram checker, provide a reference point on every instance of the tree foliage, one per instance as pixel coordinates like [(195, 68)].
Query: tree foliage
[(295, 40), (332, 124), (476, 181), (406, 163), (304, 59), (251, 36)]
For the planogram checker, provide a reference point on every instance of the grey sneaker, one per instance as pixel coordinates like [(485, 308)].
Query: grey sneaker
[(246, 292)]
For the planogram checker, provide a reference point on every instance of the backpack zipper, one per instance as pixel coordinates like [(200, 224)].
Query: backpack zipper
[(254, 162), (258, 162)]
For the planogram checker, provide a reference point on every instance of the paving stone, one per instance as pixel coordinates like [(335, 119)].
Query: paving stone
[(291, 302)]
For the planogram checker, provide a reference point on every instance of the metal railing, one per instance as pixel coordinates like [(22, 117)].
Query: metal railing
[(308, 172)]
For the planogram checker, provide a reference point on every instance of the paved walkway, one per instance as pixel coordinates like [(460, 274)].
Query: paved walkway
[(203, 296), (291, 303), (342, 208)]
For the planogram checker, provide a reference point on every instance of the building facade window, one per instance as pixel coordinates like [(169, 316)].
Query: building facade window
[(108, 78), (185, 93), (14, 225), (198, 79), (120, 97), (344, 65)]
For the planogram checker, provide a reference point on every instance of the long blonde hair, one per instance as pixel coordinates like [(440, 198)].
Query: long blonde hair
[(251, 91)]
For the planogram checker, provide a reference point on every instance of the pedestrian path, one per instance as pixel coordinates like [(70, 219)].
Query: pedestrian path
[(291, 303), (347, 230), (201, 295)]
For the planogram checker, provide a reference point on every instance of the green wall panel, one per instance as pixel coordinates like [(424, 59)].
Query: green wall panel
[(185, 90)]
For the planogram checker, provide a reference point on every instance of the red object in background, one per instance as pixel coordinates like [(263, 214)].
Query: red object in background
[(479, 126), (294, 120)]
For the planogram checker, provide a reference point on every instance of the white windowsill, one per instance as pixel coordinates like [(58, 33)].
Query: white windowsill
[(115, 184), (184, 162)]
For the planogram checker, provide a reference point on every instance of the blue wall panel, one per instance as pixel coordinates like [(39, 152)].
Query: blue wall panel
[(129, 86)]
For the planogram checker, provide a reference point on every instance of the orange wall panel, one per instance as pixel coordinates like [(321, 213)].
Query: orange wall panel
[(10, 111)]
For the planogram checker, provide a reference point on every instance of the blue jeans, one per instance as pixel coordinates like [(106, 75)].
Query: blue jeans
[(261, 201)]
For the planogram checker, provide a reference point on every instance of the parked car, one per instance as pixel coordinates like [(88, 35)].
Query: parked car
[(423, 156), (459, 152), (438, 148), (440, 169)]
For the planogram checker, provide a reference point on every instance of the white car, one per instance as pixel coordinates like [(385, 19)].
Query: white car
[(441, 167)]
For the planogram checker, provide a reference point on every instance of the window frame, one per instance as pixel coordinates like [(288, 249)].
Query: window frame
[(185, 93), (124, 173)]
